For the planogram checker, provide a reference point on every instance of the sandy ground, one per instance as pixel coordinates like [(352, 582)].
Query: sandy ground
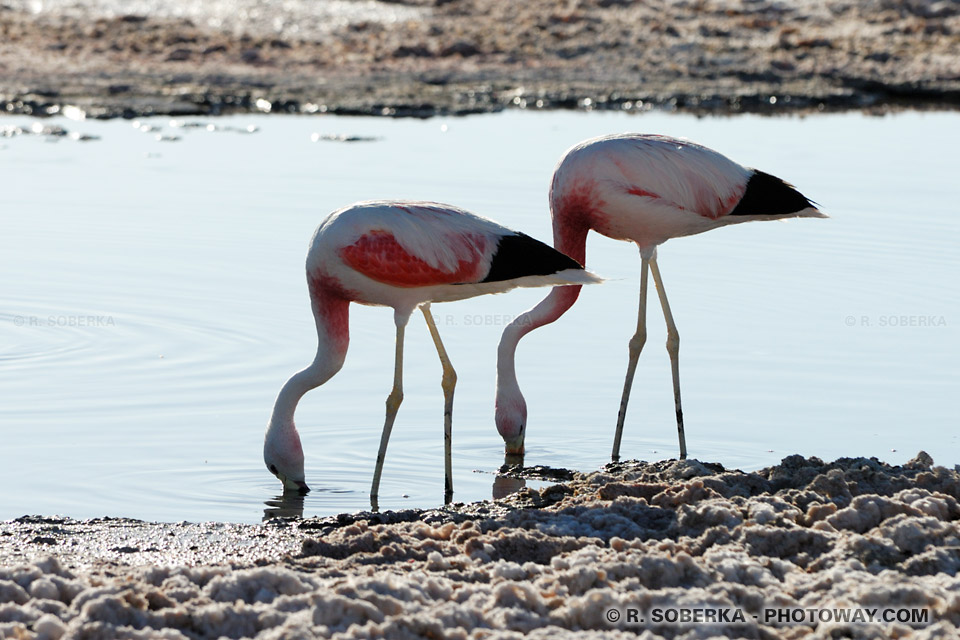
[(781, 553), (426, 57)]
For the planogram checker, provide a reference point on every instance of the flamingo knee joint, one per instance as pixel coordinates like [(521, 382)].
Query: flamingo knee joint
[(673, 342), (637, 342), (449, 380), (394, 400)]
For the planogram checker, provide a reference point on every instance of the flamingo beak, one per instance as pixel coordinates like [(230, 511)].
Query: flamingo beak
[(514, 446), (294, 485)]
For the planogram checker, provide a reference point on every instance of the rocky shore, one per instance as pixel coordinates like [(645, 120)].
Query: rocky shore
[(429, 57), (791, 551)]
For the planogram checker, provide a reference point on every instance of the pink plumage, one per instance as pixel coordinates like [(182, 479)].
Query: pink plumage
[(402, 255), (644, 189), (379, 256)]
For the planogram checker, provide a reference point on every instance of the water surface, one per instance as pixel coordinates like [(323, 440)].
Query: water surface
[(154, 301)]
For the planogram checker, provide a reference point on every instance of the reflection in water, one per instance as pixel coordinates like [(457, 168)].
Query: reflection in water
[(375, 504), (288, 505), (504, 485), (512, 460)]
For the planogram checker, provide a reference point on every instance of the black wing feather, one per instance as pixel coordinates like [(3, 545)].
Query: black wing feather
[(520, 255), (768, 195)]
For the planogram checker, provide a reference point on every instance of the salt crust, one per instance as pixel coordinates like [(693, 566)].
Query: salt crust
[(803, 534)]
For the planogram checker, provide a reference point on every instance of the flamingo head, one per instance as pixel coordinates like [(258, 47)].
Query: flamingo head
[(283, 455), (511, 419)]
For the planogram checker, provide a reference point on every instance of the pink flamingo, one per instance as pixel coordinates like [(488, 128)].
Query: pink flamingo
[(645, 189), (402, 255)]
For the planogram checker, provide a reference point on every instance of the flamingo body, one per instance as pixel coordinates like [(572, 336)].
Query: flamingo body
[(643, 189), (647, 189), (402, 255)]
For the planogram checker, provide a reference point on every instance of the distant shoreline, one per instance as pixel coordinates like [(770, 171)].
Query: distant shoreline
[(457, 57)]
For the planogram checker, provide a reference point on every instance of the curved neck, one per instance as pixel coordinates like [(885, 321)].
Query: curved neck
[(510, 407), (571, 239), (294, 389), (333, 336), (559, 300)]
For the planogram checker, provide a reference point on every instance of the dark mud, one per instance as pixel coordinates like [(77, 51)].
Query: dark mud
[(472, 56)]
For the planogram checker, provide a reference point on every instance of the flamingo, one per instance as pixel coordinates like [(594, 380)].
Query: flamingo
[(644, 189), (402, 255)]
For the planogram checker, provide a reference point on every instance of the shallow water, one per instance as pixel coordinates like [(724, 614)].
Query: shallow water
[(154, 302)]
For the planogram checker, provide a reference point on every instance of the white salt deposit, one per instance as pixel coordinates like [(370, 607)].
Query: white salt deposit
[(850, 536), (290, 18)]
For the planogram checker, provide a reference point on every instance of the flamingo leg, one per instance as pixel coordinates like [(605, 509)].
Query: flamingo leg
[(448, 383), (634, 347), (673, 348), (393, 404)]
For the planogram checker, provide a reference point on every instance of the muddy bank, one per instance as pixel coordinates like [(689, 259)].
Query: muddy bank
[(647, 541), (429, 57)]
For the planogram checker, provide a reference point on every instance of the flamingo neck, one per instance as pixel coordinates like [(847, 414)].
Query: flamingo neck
[(557, 302), (331, 313), (570, 237), (511, 408), (291, 393)]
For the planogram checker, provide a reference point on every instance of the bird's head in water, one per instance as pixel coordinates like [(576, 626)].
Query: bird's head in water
[(283, 455), (511, 419)]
